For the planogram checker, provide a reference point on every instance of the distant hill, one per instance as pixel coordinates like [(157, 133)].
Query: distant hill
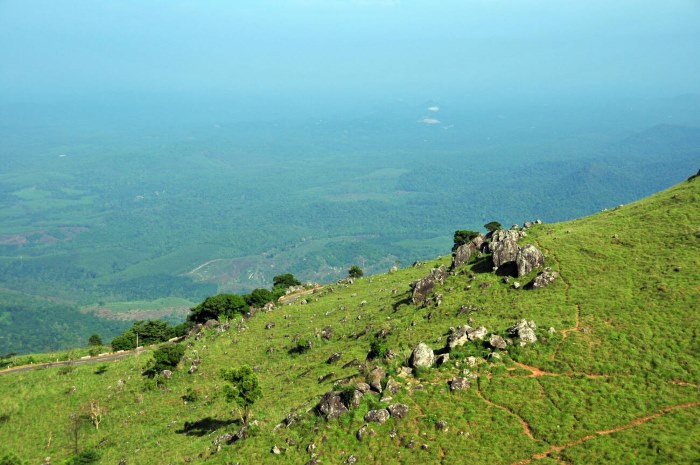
[(613, 376)]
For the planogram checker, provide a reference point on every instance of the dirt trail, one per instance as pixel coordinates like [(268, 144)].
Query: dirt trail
[(632, 424), (526, 426), (82, 361)]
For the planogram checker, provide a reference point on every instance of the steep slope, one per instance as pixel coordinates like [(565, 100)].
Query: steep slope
[(614, 381)]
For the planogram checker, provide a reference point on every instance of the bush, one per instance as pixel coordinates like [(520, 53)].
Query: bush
[(95, 340), (355, 272), (377, 348), (149, 332), (259, 297), (493, 226), (165, 358), (10, 459), (86, 457)]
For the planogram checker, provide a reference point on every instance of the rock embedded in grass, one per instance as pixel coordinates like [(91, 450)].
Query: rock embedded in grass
[(377, 416), (422, 356)]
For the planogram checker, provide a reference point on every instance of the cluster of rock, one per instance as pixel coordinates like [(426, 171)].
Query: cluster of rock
[(505, 250), (423, 287), (464, 252)]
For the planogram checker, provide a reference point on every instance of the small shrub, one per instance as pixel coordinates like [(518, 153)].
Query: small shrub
[(86, 457), (355, 272), (191, 395), (301, 347), (377, 348), (101, 370), (66, 369), (165, 358)]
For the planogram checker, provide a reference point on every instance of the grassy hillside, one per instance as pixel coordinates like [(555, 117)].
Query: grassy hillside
[(615, 381)]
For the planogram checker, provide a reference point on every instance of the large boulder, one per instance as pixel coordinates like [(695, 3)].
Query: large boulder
[(525, 331), (423, 287), (422, 356), (331, 405), (504, 246), (464, 252), (529, 258)]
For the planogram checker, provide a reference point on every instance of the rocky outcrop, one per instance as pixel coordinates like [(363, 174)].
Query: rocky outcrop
[(528, 258), (423, 287), (458, 337), (477, 333), (422, 356), (504, 246), (331, 405), (525, 331), (544, 279), (464, 252)]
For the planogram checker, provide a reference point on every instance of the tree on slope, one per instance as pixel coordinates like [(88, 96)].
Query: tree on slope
[(244, 389)]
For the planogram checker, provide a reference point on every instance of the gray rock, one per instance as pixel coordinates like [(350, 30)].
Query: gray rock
[(422, 356), (529, 258), (331, 405), (441, 425), (460, 384), (477, 333), (356, 398), (361, 433), (392, 386), (334, 357), (516, 285), (504, 252), (375, 378), (193, 369), (544, 279), (497, 342), (363, 387), (423, 287), (525, 331), (211, 323), (377, 416), (351, 460), (270, 325), (458, 337), (442, 359), (398, 410), (327, 333), (167, 374), (276, 450)]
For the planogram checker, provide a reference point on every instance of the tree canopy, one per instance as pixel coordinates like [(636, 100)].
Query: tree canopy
[(221, 305), (463, 236), (285, 280), (355, 272), (244, 389), (493, 226)]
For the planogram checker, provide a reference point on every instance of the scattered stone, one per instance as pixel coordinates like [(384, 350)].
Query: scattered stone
[(211, 323), (551, 330), (310, 448), (529, 258), (398, 410), (472, 361), (441, 425), (460, 384), (544, 279), (497, 342), (269, 306), (270, 325), (192, 370), (353, 363), (377, 416), (375, 378), (525, 331), (351, 460), (167, 374), (442, 359), (331, 405), (422, 356), (424, 446), (276, 450), (516, 285), (404, 372), (495, 356), (326, 377), (334, 358), (361, 433)]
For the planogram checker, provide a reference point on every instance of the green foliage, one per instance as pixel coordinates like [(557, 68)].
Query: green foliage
[(355, 272), (377, 348), (86, 457), (493, 226), (462, 237), (244, 389), (259, 297), (101, 369), (95, 340), (285, 280), (166, 358), (218, 306), (149, 332), (11, 459), (192, 395)]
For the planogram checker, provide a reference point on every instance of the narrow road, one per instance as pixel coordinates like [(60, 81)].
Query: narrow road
[(81, 361)]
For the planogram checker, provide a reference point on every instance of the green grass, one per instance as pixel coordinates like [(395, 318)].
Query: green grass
[(632, 272)]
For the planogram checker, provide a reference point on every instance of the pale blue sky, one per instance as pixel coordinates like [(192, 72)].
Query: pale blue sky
[(418, 49)]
